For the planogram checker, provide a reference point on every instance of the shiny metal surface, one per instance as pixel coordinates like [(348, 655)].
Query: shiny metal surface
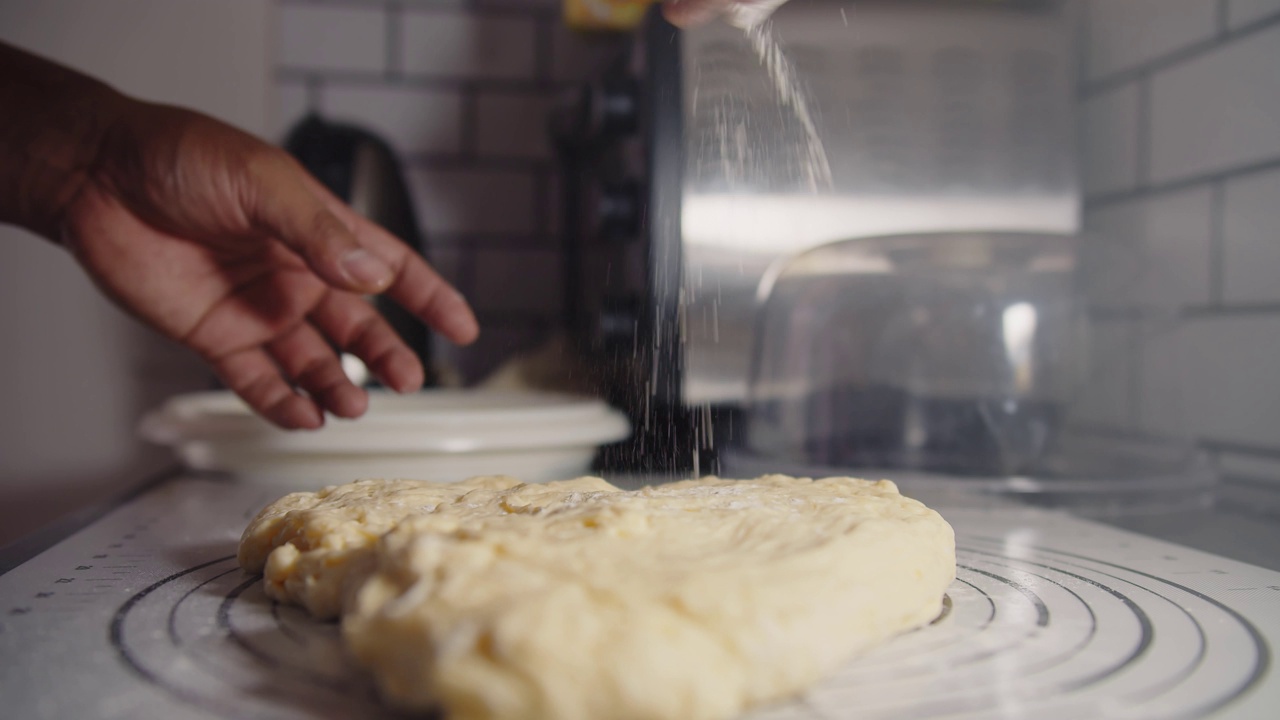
[(935, 117)]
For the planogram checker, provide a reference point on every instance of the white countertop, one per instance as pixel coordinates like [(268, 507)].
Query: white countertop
[(1050, 616)]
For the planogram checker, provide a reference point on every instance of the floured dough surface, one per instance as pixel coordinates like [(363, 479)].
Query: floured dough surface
[(575, 600)]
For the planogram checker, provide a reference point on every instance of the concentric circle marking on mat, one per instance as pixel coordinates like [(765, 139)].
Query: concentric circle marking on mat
[(209, 637), (1044, 633)]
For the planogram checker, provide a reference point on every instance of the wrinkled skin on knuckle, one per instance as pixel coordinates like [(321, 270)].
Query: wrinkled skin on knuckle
[(180, 171), (271, 175), (255, 172)]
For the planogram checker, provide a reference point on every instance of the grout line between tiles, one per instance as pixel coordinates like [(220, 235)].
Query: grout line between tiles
[(1142, 163), (472, 242), (314, 85), (490, 7), (463, 161), (1177, 57), (1255, 481), (543, 50), (469, 129), (428, 82), (1224, 310), (1234, 448), (542, 202), (1082, 47), (1250, 510), (467, 270), (1134, 350), (395, 41), (1160, 188), (1217, 244)]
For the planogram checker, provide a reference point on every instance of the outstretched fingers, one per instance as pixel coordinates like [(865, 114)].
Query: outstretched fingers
[(355, 326), (307, 359), (252, 375), (269, 377), (420, 290)]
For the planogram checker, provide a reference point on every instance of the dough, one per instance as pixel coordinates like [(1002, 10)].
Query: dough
[(576, 600)]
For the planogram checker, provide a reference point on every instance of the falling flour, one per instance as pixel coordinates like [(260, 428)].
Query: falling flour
[(753, 20)]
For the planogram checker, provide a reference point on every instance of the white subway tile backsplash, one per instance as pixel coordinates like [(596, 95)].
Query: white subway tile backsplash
[(1106, 393), (1251, 239), (1167, 380), (1249, 466), (1218, 110), (519, 281), (323, 37), (1110, 152), (292, 103), (461, 88), (1214, 377), (1260, 502), (1204, 102), (474, 201), (1124, 33), (513, 124), (1151, 252), (1246, 12), (460, 45), (412, 120)]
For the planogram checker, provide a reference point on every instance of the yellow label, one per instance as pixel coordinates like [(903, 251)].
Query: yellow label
[(604, 14)]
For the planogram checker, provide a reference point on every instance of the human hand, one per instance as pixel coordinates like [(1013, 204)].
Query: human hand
[(228, 246), (686, 13)]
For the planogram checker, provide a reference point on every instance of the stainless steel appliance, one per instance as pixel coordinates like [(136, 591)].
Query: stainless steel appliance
[(690, 187)]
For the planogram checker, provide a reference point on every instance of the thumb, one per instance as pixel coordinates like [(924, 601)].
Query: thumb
[(284, 206)]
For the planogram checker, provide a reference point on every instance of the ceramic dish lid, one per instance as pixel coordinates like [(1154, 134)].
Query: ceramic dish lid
[(436, 421)]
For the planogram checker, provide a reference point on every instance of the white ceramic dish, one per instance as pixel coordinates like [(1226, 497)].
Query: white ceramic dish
[(445, 435)]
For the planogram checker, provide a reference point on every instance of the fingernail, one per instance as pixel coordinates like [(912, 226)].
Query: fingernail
[(366, 269)]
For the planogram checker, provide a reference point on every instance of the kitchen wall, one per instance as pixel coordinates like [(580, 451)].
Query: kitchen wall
[(1180, 103), (461, 88), (77, 372)]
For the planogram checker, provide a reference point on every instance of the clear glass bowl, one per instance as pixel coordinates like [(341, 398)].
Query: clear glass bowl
[(957, 364)]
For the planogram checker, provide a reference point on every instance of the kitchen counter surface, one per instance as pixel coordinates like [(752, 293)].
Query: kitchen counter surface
[(1050, 616)]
